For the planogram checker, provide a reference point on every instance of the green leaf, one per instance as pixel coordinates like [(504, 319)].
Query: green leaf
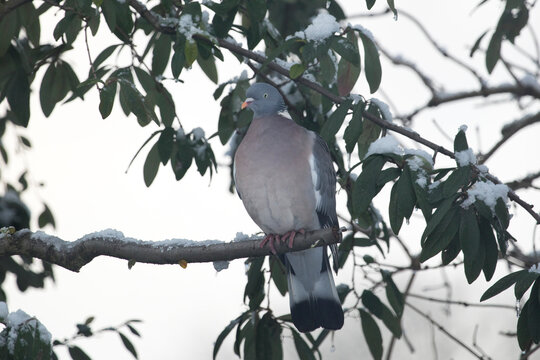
[(441, 237), (327, 69), (354, 129), (523, 335), (296, 71), (54, 87), (490, 245), (503, 284), (533, 313), (332, 125), (346, 49), (178, 62), (254, 289), (493, 52), (370, 3), (394, 296), (392, 7), (129, 346), (18, 96), (77, 353), (279, 276), (106, 99), (502, 213), (460, 141), (372, 63), (135, 102), (208, 66), (224, 334), (9, 30), (165, 144), (226, 125), (370, 133), (524, 283), (438, 216), (151, 165), (372, 334), (303, 350), (380, 310), (161, 54), (104, 55), (191, 53), (268, 339), (477, 44), (365, 186), (348, 73), (256, 10), (402, 200), (451, 251), (46, 217), (457, 179), (469, 238)]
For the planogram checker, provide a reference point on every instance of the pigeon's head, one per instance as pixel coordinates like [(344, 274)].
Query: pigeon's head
[(263, 99)]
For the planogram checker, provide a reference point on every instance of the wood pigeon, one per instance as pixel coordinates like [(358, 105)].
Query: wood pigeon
[(286, 180)]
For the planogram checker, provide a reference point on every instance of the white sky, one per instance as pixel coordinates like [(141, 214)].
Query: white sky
[(82, 160)]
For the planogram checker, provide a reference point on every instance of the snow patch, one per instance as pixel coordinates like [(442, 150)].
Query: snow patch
[(384, 108), (364, 31), (385, 145), (465, 157), (240, 236), (322, 26), (20, 321), (487, 192), (3, 310), (220, 265), (198, 133)]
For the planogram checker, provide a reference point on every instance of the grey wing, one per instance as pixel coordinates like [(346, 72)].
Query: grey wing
[(324, 182)]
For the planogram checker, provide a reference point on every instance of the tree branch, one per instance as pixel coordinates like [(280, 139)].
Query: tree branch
[(74, 255), (444, 331), (508, 131), (527, 90)]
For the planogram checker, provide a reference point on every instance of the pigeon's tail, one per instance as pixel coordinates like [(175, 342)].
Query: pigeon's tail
[(312, 293)]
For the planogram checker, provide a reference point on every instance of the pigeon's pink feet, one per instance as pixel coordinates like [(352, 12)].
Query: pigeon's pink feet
[(290, 235), (272, 239)]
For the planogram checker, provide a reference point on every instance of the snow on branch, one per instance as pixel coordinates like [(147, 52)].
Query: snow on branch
[(73, 255)]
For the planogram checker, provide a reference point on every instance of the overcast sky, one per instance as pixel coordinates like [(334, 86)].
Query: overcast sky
[(82, 160)]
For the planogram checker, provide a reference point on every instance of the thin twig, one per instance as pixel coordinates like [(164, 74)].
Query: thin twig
[(446, 332), (462, 303)]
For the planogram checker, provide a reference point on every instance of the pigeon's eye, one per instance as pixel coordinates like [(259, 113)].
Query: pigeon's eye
[(265, 95)]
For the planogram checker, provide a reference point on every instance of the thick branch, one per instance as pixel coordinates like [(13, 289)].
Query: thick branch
[(529, 90), (74, 255)]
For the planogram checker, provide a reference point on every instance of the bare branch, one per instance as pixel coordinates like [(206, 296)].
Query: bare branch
[(399, 60), (508, 131), (441, 49), (525, 182), (74, 255), (462, 303), (446, 332)]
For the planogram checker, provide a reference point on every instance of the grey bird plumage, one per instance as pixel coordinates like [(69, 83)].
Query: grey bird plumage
[(286, 180)]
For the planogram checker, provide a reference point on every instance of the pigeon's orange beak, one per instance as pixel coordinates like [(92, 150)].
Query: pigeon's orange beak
[(247, 102)]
